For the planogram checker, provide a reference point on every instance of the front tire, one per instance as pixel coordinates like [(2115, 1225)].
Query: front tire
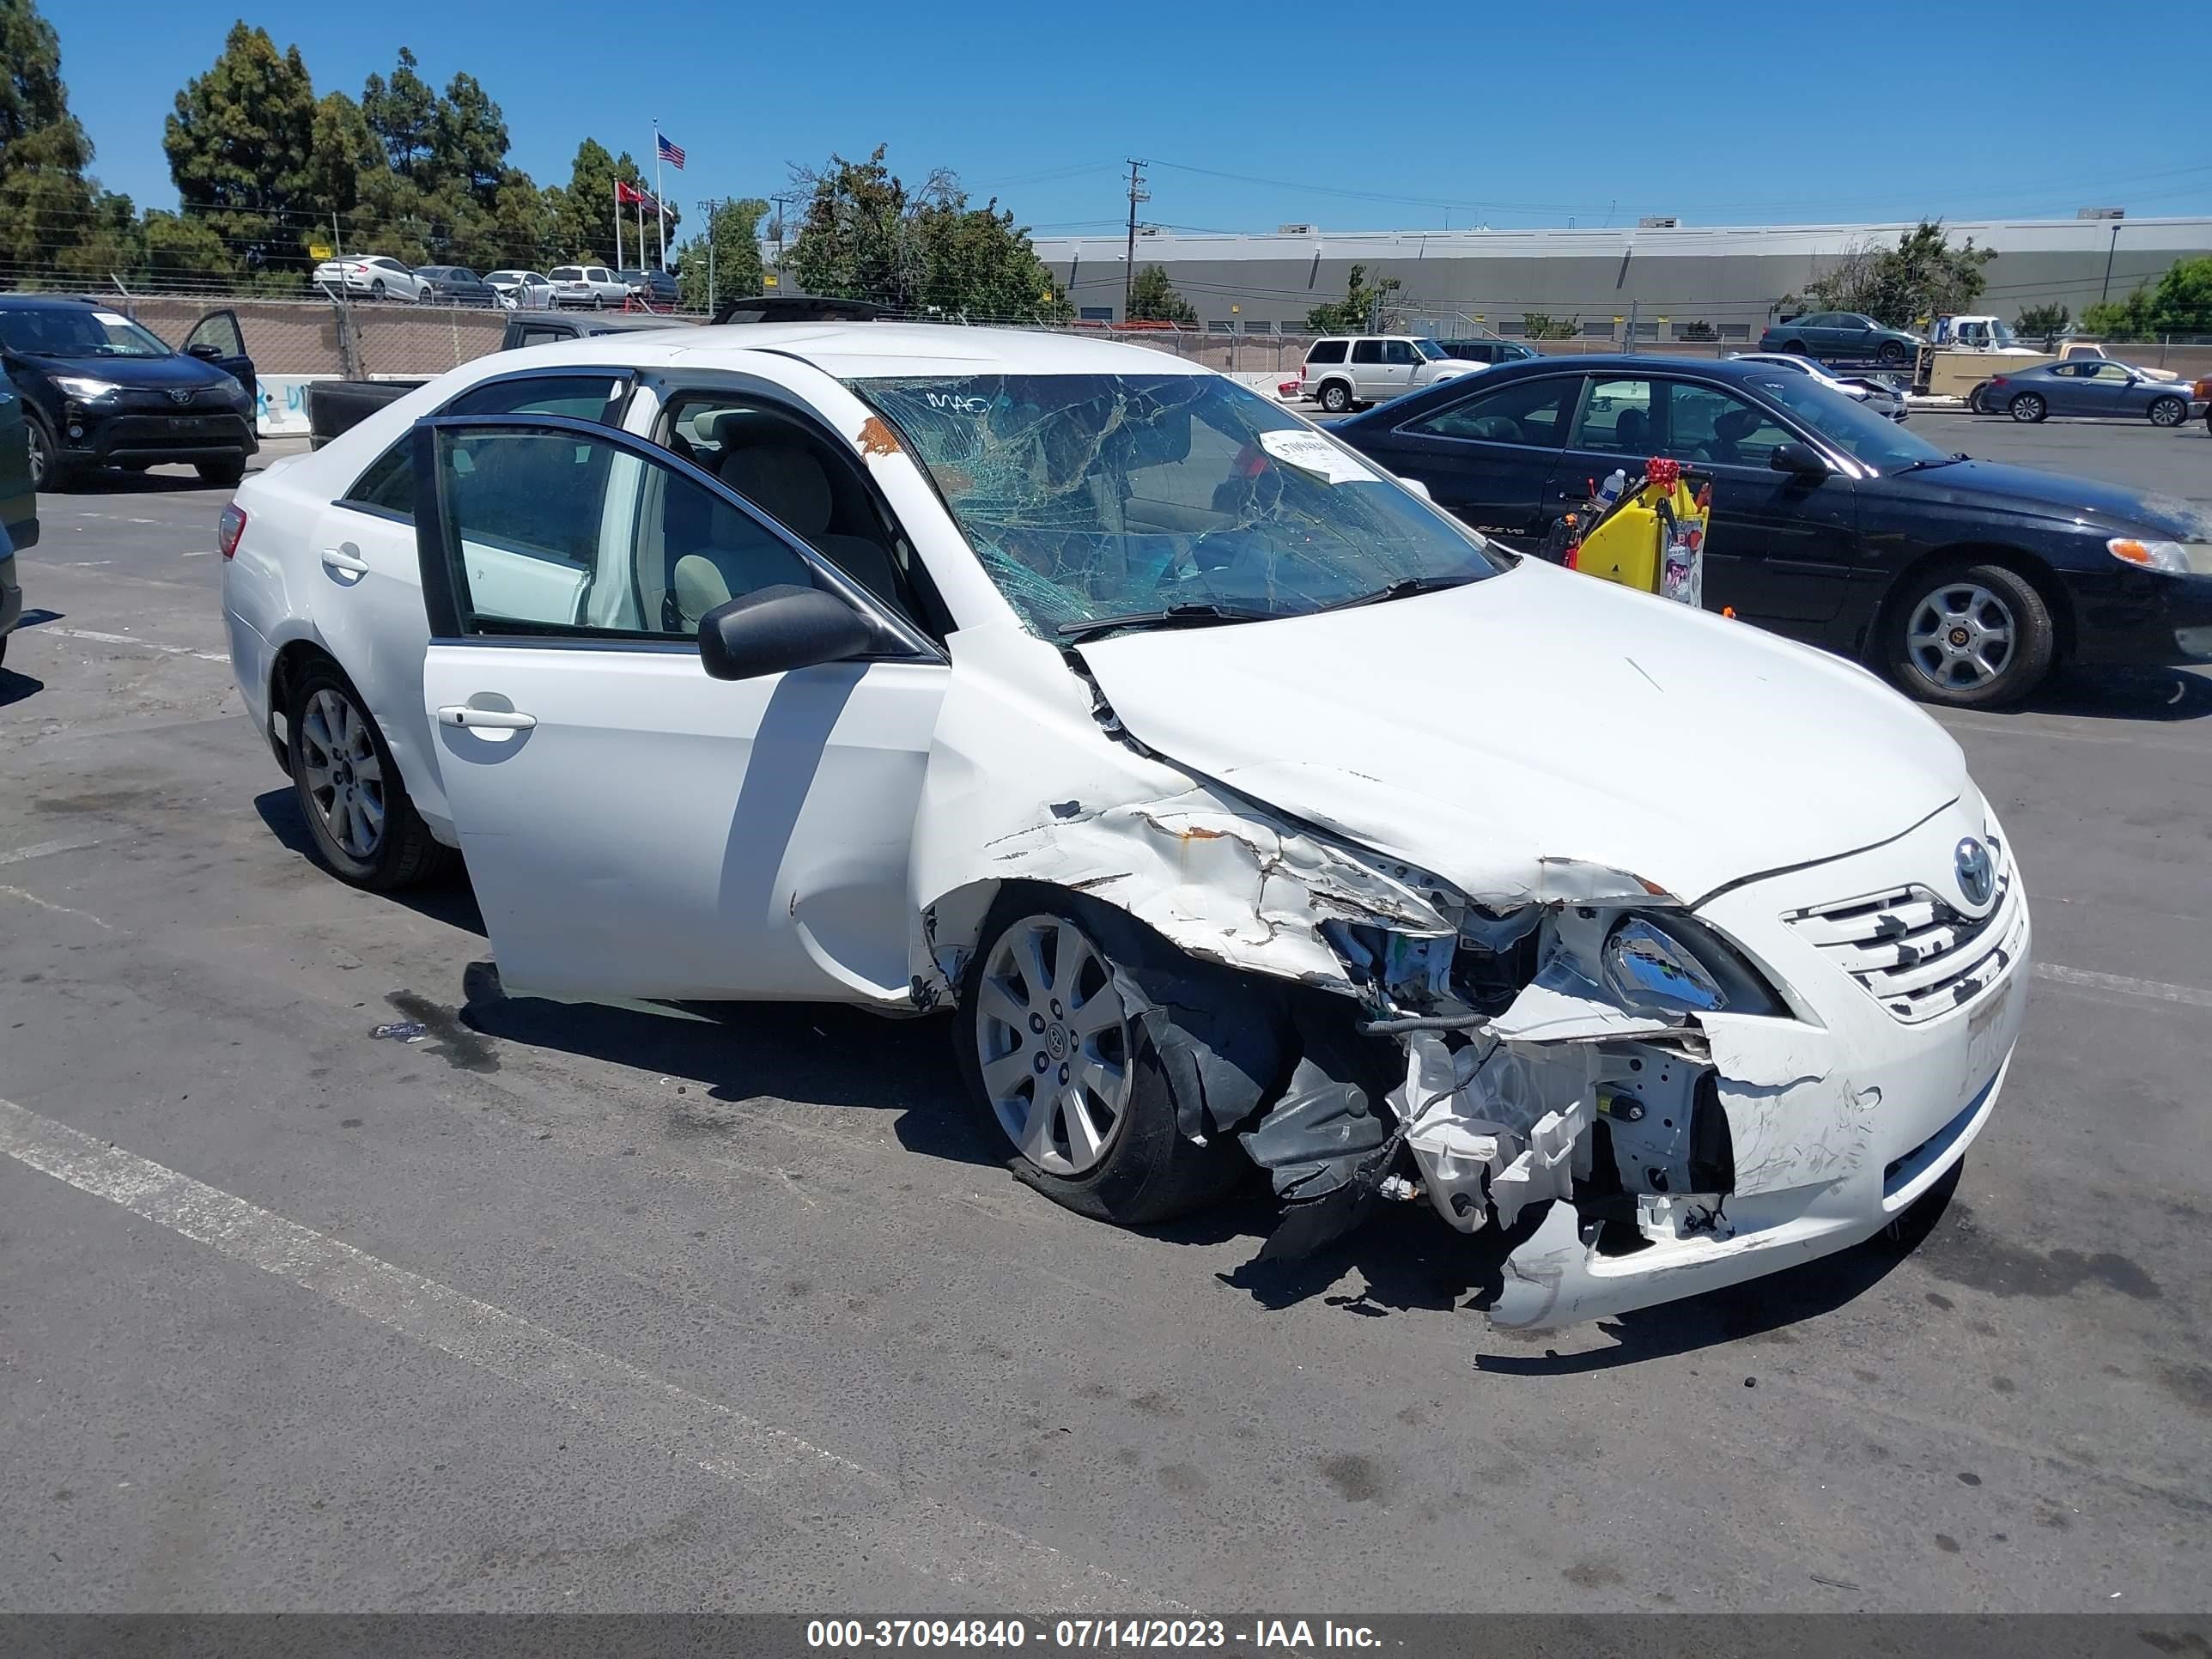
[(49, 471), (350, 790), (1064, 1073), (2169, 411), (1970, 637), (223, 474), (2028, 408), (1336, 398)]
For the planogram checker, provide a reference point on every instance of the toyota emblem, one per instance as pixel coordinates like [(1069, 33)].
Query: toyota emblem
[(1977, 876), (182, 395)]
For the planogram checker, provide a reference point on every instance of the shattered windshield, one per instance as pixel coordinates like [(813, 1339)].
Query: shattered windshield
[(1094, 495)]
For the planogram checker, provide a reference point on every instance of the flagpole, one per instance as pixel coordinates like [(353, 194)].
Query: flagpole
[(659, 202)]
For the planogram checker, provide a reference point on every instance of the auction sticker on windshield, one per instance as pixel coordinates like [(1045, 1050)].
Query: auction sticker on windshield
[(1310, 451)]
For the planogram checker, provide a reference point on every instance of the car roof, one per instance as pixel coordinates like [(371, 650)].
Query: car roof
[(45, 302), (876, 351)]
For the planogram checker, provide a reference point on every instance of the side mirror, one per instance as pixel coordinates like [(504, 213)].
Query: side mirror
[(1799, 460), (780, 628), (202, 350)]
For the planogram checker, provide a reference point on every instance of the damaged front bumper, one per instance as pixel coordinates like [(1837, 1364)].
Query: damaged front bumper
[(1814, 1131), (1665, 1152)]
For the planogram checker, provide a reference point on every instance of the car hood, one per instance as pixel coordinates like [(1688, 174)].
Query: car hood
[(1537, 716), (141, 373), (2019, 490)]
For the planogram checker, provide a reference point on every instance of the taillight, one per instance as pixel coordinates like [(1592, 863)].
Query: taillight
[(1996, 380), (229, 528)]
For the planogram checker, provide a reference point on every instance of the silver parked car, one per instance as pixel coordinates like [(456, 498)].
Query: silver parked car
[(595, 286), (2086, 386), (374, 276), (521, 291), (1883, 396)]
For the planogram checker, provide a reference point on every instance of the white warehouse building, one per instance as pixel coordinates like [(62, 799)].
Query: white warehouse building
[(1664, 281)]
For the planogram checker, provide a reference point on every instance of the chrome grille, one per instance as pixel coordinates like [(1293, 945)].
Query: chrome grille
[(1916, 953)]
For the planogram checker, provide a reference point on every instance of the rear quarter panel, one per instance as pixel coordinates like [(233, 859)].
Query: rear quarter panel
[(19, 506)]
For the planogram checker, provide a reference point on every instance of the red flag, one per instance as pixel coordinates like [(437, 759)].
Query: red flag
[(626, 192)]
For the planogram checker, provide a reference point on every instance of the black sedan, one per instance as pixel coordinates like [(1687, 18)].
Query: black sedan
[(1965, 580), (456, 285), (2087, 386), (655, 289)]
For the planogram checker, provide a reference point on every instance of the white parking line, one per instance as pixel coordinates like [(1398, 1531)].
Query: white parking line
[(126, 639), (2156, 990), (39, 849), (803, 1481)]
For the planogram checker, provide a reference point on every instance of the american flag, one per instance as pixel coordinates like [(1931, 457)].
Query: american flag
[(670, 152)]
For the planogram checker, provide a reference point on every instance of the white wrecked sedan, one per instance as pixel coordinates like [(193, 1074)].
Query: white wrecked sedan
[(1238, 804)]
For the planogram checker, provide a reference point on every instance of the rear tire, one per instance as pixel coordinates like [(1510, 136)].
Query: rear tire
[(1336, 398), (1798, 347), (1967, 635), (2028, 408), (2169, 411), (376, 289), (365, 828), (1974, 402), (223, 474), (1146, 1170), (1892, 352)]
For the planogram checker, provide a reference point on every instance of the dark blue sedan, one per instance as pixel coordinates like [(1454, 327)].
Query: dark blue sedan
[(2091, 386)]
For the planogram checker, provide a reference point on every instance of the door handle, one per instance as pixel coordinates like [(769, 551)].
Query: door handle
[(496, 719), (344, 561)]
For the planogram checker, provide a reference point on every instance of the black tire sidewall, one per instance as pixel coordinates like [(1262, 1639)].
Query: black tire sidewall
[(224, 475), (1335, 398), (2157, 403), (60, 474), (2027, 409), (383, 870), (2034, 637)]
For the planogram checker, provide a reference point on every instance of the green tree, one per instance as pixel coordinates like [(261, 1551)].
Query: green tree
[(1361, 308), (1921, 277), (2179, 302), (402, 113), (735, 229), (583, 211), (47, 205), (1152, 298), (867, 236), (240, 143), (1539, 325), (2043, 322)]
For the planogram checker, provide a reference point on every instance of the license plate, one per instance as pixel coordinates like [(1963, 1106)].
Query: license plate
[(186, 424), (1990, 1029)]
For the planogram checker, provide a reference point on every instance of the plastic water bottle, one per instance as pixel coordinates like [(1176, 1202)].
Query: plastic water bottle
[(1609, 492)]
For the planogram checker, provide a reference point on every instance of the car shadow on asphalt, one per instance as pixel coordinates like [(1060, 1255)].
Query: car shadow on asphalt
[(2121, 693), (114, 483), (450, 900), (14, 686)]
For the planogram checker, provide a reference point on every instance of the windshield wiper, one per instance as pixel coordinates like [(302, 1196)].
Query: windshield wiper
[(1186, 614), (1404, 588), (1936, 460)]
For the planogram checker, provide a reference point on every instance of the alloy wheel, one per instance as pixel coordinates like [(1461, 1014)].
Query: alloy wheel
[(344, 779), (1053, 1041), (1961, 637), (42, 458), (2169, 411)]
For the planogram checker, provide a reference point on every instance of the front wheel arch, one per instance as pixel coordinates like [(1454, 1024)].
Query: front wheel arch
[(2036, 572)]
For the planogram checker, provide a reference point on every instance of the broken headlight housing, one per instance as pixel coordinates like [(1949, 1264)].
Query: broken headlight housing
[(1671, 964)]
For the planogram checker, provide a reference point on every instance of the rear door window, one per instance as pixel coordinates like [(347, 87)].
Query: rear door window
[(1367, 351), (1526, 412)]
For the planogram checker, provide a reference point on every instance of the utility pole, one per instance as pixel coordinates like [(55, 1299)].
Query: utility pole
[(1137, 193), (710, 207)]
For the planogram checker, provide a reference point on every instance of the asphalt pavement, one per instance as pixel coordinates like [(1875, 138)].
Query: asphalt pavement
[(597, 1309)]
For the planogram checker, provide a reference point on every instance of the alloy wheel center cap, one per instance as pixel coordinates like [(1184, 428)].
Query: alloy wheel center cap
[(1055, 1041), (1959, 636)]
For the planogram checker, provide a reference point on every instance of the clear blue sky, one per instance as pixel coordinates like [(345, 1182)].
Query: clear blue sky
[(1544, 115)]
